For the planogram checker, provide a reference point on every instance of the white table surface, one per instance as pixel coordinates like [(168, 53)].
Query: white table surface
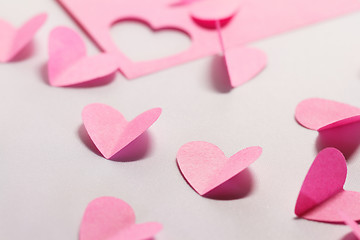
[(48, 175)]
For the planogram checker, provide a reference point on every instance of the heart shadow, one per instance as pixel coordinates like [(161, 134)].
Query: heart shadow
[(345, 138), (90, 84), (136, 150), (237, 187), (219, 75)]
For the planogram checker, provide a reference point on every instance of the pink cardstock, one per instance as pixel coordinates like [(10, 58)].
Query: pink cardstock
[(257, 19), (110, 131), (322, 195), (321, 114), (352, 224), (13, 40), (68, 63), (109, 218), (205, 166)]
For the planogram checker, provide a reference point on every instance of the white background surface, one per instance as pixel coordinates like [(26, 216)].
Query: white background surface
[(48, 175)]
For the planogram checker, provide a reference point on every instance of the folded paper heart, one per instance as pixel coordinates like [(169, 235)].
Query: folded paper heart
[(321, 114), (322, 195), (205, 166), (109, 218), (242, 63), (12, 40), (352, 224), (68, 63), (110, 131)]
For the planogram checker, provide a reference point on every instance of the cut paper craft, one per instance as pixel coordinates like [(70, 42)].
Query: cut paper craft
[(322, 195), (242, 63), (13, 40), (205, 166), (258, 19), (352, 224), (68, 63), (109, 218), (321, 114), (110, 131)]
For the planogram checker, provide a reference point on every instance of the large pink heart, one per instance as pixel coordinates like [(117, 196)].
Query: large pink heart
[(12, 40), (205, 166), (322, 196), (68, 63), (109, 218), (110, 131), (320, 114)]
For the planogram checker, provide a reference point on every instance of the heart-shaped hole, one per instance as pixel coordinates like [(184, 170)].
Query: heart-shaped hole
[(139, 42)]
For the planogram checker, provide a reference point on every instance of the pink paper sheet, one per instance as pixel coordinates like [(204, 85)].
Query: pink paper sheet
[(13, 40), (109, 218), (322, 195), (321, 114), (256, 20), (352, 224), (205, 166), (68, 63), (110, 131)]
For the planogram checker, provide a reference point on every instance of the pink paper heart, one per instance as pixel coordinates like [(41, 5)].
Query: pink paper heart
[(12, 40), (207, 13), (68, 63), (243, 64), (320, 114), (205, 166), (110, 131), (109, 218), (322, 195)]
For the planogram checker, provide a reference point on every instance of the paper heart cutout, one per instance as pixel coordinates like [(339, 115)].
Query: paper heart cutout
[(109, 218), (205, 166), (207, 13), (110, 131), (322, 195), (243, 64), (320, 114), (13, 40), (68, 63)]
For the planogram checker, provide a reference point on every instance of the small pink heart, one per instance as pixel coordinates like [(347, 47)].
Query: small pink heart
[(12, 40), (110, 131), (320, 114), (205, 166), (243, 64), (322, 195), (109, 218), (68, 63), (207, 13)]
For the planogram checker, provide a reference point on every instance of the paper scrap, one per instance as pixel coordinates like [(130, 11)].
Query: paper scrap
[(110, 131), (321, 114), (68, 63), (258, 19), (322, 195), (205, 166), (109, 218), (13, 40)]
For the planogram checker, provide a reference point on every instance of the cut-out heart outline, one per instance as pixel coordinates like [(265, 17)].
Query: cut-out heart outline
[(109, 130), (110, 218), (13, 40), (322, 195), (69, 64), (205, 167)]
